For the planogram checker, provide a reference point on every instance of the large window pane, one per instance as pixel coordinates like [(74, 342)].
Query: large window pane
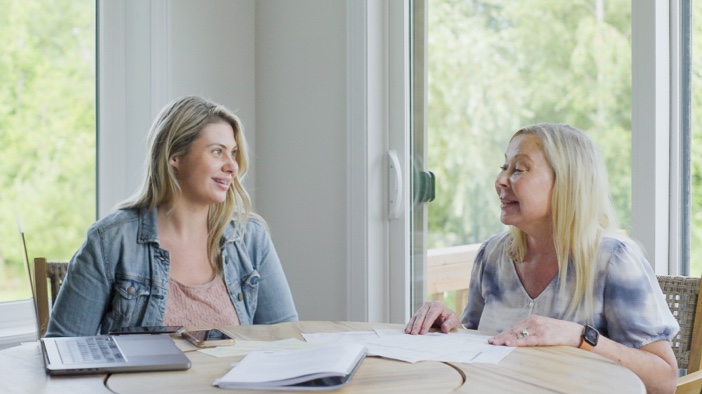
[(696, 148), (494, 66), (47, 131)]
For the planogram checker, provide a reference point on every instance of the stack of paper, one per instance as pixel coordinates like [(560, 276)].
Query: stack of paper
[(458, 347)]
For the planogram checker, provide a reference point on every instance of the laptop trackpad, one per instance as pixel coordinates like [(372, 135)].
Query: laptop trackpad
[(146, 345)]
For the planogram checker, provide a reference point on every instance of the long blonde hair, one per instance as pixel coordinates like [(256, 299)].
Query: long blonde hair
[(176, 127), (581, 207)]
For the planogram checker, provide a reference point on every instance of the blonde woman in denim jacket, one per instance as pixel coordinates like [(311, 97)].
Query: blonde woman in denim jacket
[(186, 250)]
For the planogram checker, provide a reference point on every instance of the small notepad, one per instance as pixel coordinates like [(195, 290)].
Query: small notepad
[(325, 367)]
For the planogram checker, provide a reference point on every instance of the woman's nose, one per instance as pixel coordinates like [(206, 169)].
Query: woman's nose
[(231, 165), (501, 180)]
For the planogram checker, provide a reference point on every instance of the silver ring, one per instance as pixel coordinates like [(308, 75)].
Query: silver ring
[(524, 333)]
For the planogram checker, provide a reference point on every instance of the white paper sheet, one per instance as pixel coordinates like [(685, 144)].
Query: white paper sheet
[(341, 337), (458, 347)]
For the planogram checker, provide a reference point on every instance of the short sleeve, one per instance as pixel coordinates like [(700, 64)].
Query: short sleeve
[(635, 309)]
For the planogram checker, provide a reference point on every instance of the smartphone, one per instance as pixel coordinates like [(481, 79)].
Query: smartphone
[(208, 338), (173, 330)]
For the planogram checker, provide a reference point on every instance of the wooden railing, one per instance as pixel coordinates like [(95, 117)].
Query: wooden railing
[(448, 270)]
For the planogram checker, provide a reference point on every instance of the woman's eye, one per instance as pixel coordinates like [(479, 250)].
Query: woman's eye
[(217, 152), (503, 167)]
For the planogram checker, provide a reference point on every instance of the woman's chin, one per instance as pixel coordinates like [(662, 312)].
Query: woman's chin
[(505, 220)]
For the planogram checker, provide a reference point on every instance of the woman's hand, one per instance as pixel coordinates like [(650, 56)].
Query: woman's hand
[(432, 314), (540, 331)]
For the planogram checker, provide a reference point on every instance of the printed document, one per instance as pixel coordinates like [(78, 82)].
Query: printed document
[(458, 347)]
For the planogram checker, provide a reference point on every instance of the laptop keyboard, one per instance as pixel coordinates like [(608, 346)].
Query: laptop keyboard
[(90, 350)]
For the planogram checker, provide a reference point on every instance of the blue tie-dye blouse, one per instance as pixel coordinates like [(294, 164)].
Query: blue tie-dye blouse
[(629, 306)]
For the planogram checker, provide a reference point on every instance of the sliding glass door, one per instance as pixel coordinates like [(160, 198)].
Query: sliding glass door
[(492, 67)]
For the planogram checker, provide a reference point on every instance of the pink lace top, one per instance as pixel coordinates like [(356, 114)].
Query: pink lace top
[(205, 305)]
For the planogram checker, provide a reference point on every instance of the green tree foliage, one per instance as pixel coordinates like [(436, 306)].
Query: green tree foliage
[(47, 129), (497, 65), (696, 148)]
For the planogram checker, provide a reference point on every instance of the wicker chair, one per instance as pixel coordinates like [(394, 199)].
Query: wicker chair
[(53, 272), (682, 295)]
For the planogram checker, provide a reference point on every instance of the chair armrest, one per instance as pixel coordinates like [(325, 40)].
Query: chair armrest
[(690, 383)]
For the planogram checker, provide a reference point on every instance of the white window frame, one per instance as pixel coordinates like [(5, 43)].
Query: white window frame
[(138, 34), (655, 212), (378, 121), (17, 323), (680, 187)]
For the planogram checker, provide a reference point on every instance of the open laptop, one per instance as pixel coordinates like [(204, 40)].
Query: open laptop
[(112, 353), (106, 353)]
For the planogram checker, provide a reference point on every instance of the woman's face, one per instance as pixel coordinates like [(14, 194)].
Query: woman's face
[(206, 172), (525, 185)]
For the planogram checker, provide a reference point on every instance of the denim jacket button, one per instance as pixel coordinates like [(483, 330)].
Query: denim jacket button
[(241, 297), (131, 290)]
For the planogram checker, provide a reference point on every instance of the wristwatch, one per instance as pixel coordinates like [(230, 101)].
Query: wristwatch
[(589, 338)]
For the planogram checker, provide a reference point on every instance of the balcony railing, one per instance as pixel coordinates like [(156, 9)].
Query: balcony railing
[(448, 270)]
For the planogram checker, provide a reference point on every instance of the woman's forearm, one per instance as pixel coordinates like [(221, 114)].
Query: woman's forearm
[(655, 363)]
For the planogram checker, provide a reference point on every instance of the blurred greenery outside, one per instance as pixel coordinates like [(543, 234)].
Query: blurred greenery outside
[(497, 65), (47, 129)]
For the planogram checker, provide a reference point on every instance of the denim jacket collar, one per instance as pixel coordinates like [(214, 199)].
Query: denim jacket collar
[(148, 229), (148, 226)]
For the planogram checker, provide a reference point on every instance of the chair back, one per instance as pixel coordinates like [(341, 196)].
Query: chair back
[(682, 295), (49, 276)]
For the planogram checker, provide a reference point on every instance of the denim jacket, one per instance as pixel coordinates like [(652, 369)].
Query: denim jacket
[(119, 277)]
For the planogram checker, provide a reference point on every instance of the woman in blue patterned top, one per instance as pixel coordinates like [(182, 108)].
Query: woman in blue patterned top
[(562, 274)]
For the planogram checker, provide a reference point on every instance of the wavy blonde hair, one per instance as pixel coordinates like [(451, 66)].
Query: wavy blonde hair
[(176, 127), (581, 207)]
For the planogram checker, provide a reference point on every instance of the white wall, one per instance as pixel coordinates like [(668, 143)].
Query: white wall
[(151, 52), (301, 146), (213, 55), (281, 66)]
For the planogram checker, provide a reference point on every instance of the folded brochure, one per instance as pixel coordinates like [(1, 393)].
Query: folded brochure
[(324, 367)]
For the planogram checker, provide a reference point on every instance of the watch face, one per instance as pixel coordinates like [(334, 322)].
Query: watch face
[(591, 335)]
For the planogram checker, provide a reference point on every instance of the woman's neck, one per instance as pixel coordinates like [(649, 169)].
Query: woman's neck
[(540, 247), (181, 222)]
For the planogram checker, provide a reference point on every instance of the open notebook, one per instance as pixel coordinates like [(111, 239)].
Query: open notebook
[(112, 353)]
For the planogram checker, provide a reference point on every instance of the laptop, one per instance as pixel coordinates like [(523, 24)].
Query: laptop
[(112, 353)]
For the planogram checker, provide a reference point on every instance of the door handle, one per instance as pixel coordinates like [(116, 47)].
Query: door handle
[(425, 186), (394, 185)]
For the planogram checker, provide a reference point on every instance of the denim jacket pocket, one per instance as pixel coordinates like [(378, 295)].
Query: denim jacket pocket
[(130, 296), (249, 286)]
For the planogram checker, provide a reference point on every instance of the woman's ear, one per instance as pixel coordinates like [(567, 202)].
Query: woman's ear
[(175, 162)]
